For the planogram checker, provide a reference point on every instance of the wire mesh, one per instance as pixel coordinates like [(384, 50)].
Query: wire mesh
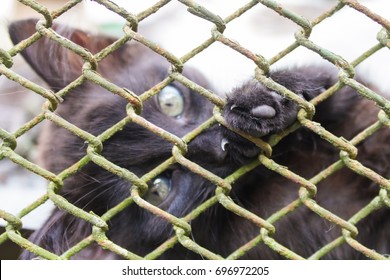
[(182, 225)]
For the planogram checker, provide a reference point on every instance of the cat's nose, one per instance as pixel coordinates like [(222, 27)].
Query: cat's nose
[(210, 146)]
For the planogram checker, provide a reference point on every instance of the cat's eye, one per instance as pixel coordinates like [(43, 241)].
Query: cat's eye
[(171, 101), (159, 190)]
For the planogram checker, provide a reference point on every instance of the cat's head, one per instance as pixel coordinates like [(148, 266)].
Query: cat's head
[(132, 66), (90, 106)]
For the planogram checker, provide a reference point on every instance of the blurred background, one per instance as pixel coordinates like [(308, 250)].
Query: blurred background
[(347, 33)]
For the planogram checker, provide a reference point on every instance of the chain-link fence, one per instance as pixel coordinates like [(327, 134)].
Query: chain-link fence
[(223, 186)]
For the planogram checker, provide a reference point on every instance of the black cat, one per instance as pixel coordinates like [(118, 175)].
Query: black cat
[(250, 108)]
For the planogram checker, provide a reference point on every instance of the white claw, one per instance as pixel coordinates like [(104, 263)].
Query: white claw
[(224, 144), (233, 106)]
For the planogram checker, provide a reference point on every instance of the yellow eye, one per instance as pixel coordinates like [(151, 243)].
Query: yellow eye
[(171, 101), (159, 190)]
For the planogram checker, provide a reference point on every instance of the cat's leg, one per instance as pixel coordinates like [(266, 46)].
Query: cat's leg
[(256, 110)]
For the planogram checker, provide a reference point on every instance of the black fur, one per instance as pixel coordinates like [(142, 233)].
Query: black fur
[(250, 108)]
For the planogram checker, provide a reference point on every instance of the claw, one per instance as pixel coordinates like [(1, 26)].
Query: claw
[(233, 106), (224, 144)]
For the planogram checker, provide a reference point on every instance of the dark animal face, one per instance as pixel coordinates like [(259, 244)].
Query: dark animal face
[(174, 108)]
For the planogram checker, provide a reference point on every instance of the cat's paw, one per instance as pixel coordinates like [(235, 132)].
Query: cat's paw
[(257, 111)]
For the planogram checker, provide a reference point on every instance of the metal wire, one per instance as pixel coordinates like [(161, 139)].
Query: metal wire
[(307, 191)]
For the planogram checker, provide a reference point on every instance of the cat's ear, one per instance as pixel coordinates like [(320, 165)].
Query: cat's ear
[(57, 65)]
